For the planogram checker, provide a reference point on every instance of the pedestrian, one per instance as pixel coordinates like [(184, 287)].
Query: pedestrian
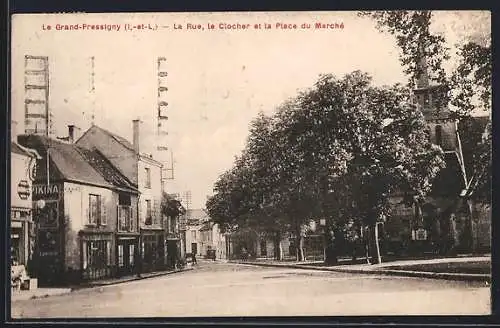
[(193, 256)]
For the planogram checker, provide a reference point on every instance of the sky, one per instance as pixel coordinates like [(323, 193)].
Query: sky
[(218, 80)]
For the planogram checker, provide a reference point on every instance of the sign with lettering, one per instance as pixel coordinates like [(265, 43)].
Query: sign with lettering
[(46, 191), (23, 189), (419, 234)]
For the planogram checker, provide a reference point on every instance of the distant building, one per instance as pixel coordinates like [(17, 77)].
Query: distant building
[(202, 235), (86, 214)]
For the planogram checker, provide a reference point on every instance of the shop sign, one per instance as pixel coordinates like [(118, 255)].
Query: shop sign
[(23, 189), (46, 191), (420, 234)]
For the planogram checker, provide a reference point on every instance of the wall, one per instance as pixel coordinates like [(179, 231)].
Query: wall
[(449, 136), (154, 193), (76, 209), (481, 226), (21, 220), (20, 168)]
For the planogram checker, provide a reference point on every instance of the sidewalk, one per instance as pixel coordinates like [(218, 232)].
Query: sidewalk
[(46, 292), (386, 268), (22, 295)]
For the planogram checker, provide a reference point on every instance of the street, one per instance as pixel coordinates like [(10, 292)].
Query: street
[(224, 289)]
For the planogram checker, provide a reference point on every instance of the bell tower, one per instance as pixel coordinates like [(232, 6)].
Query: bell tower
[(431, 99)]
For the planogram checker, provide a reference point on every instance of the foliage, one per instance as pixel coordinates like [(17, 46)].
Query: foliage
[(469, 83), (330, 153), (171, 207), (472, 79), (482, 182), (413, 37)]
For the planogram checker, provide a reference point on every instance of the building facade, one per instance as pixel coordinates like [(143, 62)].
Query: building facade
[(145, 172), (84, 210), (22, 228), (203, 236)]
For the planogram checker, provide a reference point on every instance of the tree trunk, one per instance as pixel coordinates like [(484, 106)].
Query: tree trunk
[(373, 246), (278, 247), (300, 247), (377, 244)]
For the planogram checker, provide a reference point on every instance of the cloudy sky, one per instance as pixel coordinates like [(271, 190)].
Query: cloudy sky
[(218, 79)]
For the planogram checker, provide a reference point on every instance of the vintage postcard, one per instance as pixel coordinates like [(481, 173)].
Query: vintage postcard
[(250, 164)]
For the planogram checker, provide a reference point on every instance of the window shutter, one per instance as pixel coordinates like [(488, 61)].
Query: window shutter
[(132, 218), (139, 211), (87, 214), (104, 219), (119, 217), (155, 211)]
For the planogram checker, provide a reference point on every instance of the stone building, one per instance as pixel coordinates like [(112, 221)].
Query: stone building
[(146, 173), (84, 209)]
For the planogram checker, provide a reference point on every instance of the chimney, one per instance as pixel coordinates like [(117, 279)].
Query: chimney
[(13, 131), (71, 133), (135, 142)]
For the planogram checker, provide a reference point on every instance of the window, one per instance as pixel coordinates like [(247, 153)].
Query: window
[(125, 221), (148, 211), (439, 135), (426, 100), (147, 183), (124, 199), (156, 211), (96, 258), (96, 211), (193, 234), (131, 253), (120, 255)]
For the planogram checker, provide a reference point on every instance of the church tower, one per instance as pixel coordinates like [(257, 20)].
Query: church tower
[(431, 99)]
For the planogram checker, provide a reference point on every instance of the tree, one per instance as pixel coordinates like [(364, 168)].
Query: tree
[(171, 207), (469, 82), (390, 149), (327, 153), (416, 42)]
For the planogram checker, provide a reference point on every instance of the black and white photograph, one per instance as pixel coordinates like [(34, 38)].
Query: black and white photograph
[(250, 164)]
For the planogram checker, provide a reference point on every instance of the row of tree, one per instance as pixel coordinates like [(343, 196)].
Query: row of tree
[(338, 150)]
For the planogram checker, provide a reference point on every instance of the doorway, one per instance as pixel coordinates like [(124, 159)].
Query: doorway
[(126, 256), (194, 248)]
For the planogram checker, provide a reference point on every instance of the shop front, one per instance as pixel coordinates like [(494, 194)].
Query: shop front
[(127, 252), (153, 250), (49, 246), (96, 253)]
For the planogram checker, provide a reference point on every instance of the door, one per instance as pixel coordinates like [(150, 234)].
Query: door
[(194, 248), (126, 257)]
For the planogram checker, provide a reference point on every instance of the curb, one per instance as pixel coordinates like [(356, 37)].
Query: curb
[(135, 278), (389, 272), (96, 285), (42, 295)]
